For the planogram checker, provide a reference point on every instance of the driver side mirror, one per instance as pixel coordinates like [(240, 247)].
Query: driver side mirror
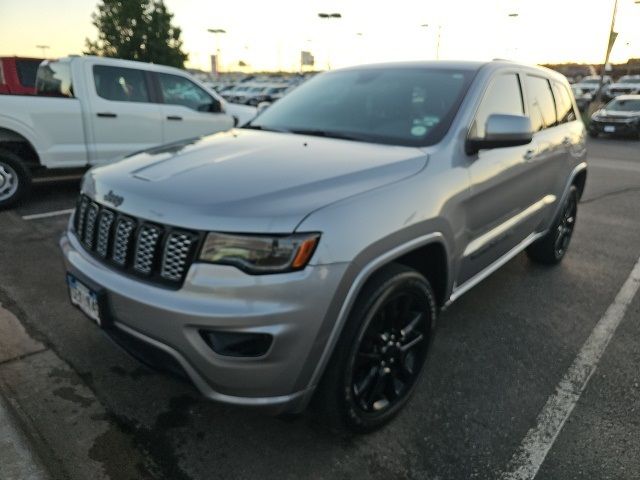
[(502, 131), (213, 107)]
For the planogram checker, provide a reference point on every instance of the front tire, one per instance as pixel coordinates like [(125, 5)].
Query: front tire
[(15, 180), (551, 249), (380, 355)]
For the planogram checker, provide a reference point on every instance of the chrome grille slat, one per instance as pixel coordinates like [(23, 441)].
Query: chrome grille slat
[(104, 231), (81, 214), (160, 253), (90, 225), (146, 248), (176, 252), (123, 237)]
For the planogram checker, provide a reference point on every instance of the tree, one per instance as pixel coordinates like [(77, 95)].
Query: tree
[(136, 30)]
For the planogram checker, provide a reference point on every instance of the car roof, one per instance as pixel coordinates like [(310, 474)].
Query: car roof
[(460, 65)]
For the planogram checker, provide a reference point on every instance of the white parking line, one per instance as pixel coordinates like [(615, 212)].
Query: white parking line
[(527, 460), (36, 216)]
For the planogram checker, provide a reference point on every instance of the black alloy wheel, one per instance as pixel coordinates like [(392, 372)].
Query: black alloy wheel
[(380, 355), (390, 352)]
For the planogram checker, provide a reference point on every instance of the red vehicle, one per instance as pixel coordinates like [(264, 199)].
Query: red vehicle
[(18, 75)]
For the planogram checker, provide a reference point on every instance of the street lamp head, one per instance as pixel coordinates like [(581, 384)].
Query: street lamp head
[(514, 15), (329, 15), (323, 15), (336, 15), (216, 30)]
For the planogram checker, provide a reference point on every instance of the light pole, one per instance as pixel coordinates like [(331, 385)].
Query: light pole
[(611, 40), (217, 32), (44, 48), (438, 36), (329, 16)]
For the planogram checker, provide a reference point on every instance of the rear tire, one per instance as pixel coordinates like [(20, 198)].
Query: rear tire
[(551, 249), (15, 180), (380, 355), (592, 134)]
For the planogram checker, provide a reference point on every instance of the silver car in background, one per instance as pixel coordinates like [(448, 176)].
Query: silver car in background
[(309, 253)]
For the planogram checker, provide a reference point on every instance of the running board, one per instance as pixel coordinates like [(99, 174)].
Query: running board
[(480, 276)]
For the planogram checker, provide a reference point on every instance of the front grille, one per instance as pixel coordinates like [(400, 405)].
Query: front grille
[(161, 254)]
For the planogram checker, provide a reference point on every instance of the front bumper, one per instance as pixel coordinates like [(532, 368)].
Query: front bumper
[(291, 307), (620, 128)]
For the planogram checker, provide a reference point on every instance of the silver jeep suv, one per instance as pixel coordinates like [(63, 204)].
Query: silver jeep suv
[(310, 252)]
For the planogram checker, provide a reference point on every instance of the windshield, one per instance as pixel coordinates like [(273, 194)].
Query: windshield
[(630, 80), (590, 80), (399, 106), (618, 105)]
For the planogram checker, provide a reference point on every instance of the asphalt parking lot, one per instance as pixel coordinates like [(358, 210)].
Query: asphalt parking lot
[(500, 353)]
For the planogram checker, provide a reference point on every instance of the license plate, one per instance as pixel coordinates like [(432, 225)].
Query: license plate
[(84, 298), (609, 128)]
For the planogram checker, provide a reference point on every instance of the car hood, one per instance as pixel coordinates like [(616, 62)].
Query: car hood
[(586, 86), (247, 180), (618, 114), (625, 85)]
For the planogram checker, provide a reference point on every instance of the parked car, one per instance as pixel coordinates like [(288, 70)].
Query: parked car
[(621, 116), (626, 85), (582, 99), (310, 252), (268, 94), (18, 75), (590, 85), (92, 110)]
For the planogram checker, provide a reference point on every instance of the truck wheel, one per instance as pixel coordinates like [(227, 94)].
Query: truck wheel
[(380, 355), (550, 249), (15, 180)]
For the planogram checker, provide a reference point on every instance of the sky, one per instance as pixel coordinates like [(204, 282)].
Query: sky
[(269, 34)]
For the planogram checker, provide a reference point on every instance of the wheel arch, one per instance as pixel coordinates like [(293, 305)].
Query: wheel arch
[(408, 254), (20, 145)]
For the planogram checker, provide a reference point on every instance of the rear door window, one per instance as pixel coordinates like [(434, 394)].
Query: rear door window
[(54, 80), (564, 105), (120, 84), (503, 96), (542, 110)]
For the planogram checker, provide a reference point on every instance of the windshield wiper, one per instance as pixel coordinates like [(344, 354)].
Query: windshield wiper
[(327, 134), (265, 129)]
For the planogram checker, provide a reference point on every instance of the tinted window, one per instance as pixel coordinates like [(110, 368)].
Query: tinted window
[(401, 106), (27, 71), (564, 105), (120, 84), (503, 96), (54, 80), (542, 109), (178, 90)]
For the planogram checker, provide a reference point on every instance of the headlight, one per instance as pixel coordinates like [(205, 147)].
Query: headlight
[(260, 253)]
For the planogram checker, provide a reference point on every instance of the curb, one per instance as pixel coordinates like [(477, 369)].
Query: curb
[(19, 459)]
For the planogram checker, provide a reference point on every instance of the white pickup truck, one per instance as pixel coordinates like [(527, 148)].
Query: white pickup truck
[(92, 110)]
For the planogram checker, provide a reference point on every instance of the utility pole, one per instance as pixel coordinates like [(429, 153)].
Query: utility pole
[(612, 38), (329, 16), (44, 49)]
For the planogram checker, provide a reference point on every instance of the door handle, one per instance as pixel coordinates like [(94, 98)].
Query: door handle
[(174, 117), (529, 155), (106, 115)]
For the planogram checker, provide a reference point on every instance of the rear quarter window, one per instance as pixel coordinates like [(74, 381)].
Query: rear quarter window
[(27, 72), (542, 109)]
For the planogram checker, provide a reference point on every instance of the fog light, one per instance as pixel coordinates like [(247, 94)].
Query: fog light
[(236, 344)]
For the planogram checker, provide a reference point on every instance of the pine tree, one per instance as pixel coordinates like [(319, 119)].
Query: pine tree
[(136, 30)]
